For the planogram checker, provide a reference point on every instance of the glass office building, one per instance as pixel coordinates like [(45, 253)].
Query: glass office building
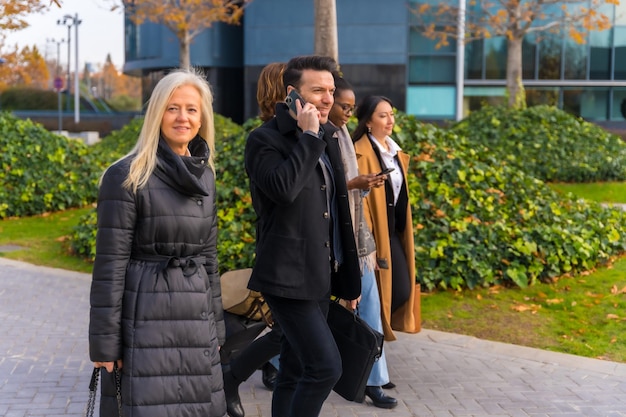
[(382, 52)]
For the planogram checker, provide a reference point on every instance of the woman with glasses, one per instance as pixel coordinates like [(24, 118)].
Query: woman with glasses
[(388, 213), (358, 186)]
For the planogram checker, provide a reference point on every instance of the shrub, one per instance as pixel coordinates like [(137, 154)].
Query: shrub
[(547, 143), (41, 171), (28, 98), (477, 222)]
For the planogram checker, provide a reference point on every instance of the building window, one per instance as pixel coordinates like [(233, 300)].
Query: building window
[(618, 107), (431, 102), (600, 55), (432, 70), (575, 57), (474, 60), (550, 57), (594, 103), (495, 58), (529, 57)]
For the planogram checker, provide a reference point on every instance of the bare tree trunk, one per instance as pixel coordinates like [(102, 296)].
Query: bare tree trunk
[(514, 86), (326, 43), (185, 52)]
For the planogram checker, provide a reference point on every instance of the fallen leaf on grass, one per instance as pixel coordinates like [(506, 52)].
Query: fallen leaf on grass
[(614, 290), (494, 290), (533, 308), (554, 301), (612, 316)]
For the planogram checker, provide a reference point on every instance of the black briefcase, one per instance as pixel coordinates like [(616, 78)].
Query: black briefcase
[(360, 346), (240, 332)]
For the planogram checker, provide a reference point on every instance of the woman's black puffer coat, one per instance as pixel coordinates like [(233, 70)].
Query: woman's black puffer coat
[(155, 295)]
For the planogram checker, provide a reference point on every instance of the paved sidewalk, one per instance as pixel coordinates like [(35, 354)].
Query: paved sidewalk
[(45, 371)]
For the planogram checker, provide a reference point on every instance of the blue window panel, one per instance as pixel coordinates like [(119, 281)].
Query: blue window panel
[(431, 102), (495, 58), (594, 104), (474, 60), (484, 91), (432, 69), (576, 58), (618, 109), (600, 55)]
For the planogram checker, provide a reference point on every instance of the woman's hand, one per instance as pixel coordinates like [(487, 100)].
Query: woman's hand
[(108, 365), (366, 181)]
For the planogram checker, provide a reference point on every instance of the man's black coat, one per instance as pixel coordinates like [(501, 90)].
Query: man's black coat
[(288, 190)]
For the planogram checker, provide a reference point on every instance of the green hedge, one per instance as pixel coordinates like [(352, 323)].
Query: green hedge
[(479, 219), (41, 171), (547, 143), (480, 223)]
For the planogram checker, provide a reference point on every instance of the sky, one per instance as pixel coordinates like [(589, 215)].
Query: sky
[(100, 32)]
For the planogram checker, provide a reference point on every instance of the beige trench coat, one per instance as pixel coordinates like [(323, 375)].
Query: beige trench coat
[(407, 317)]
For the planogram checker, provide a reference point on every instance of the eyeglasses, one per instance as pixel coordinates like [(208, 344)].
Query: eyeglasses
[(346, 107)]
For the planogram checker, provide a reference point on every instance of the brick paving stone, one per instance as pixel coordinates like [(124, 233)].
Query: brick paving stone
[(45, 369)]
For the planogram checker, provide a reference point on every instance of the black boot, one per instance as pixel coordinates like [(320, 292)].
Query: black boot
[(379, 398), (231, 391), (389, 385), (269, 375)]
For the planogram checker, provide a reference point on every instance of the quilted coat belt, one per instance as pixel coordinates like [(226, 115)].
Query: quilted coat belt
[(188, 264)]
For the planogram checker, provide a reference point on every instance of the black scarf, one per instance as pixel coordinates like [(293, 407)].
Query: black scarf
[(183, 173)]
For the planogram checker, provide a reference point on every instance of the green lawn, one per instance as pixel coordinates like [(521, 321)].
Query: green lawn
[(602, 192), (43, 239)]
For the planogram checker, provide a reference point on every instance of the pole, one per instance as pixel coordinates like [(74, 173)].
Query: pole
[(60, 124), (460, 61), (76, 86), (69, 68)]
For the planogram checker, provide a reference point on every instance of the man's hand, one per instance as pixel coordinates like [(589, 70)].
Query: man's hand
[(308, 117)]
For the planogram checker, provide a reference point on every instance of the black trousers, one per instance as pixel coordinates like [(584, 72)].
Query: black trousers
[(256, 354), (400, 280), (310, 364)]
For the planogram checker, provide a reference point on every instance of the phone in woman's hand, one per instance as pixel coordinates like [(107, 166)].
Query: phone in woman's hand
[(385, 171)]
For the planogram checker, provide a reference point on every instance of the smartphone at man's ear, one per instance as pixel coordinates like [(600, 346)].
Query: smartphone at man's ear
[(291, 101)]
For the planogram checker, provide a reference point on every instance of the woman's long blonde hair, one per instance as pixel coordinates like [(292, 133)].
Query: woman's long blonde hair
[(145, 151)]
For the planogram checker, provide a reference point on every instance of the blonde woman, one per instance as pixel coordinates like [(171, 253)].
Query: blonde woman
[(156, 304)]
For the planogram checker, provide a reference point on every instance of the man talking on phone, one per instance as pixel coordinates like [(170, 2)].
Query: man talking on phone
[(305, 249)]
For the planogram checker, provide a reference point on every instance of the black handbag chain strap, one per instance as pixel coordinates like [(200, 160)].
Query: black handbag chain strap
[(118, 389), (93, 386)]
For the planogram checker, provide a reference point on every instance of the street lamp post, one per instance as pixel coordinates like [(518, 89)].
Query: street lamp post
[(70, 21), (57, 78), (2, 61), (64, 21)]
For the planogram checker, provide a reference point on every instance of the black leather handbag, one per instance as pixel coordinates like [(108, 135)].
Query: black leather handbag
[(360, 346)]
